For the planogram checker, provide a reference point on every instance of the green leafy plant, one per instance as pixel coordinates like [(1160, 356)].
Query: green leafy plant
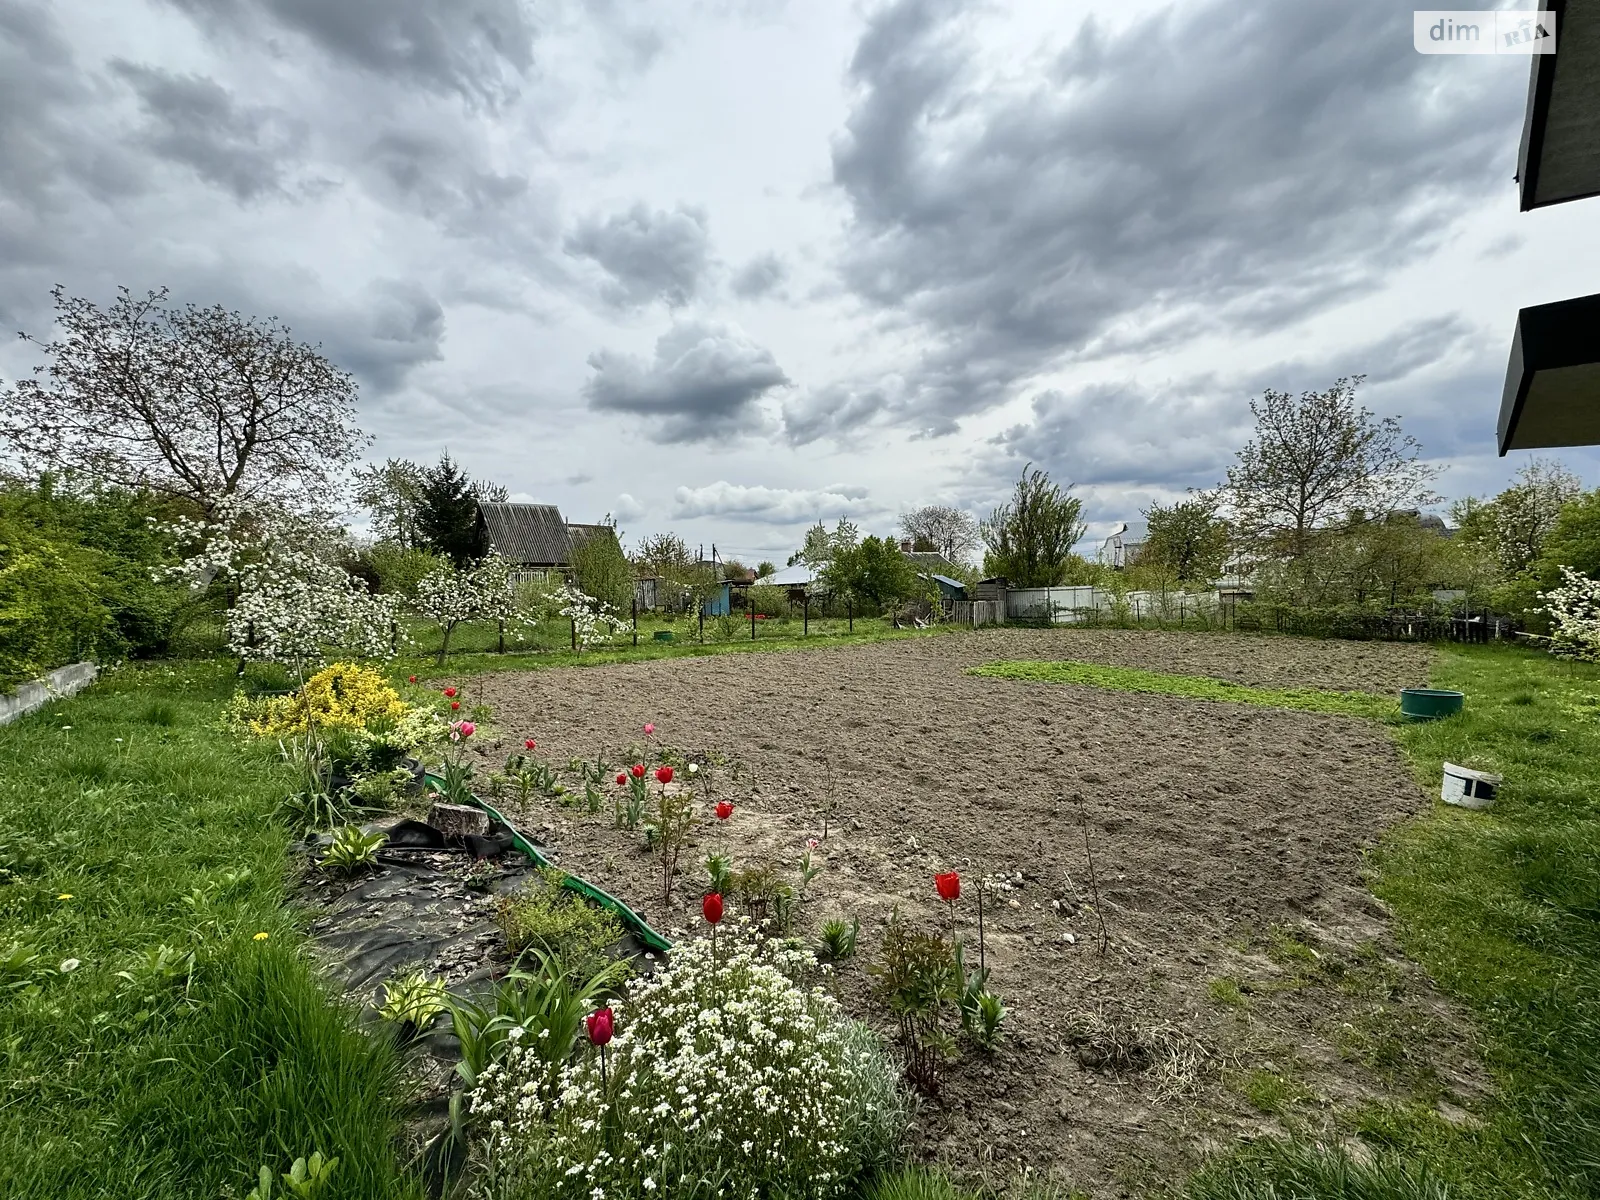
[(306, 1179), (413, 1000), (719, 870), (159, 980), (917, 978), (839, 938), (547, 918), (988, 1016), (378, 789), (18, 967), (307, 812), (455, 782), (352, 851)]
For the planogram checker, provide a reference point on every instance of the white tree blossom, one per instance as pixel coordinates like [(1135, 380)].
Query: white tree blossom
[(295, 602), (1574, 611), (483, 591), (592, 620)]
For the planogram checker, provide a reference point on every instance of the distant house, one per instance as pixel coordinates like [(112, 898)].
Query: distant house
[(535, 536), (1123, 547), (950, 590)]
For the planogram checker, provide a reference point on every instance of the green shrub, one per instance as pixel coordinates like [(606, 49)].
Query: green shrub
[(558, 922), (735, 1077)]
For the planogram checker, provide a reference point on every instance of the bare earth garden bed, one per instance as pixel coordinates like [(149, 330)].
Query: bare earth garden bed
[(1249, 981)]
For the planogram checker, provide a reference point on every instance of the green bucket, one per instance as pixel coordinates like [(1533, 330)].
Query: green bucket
[(664, 635), (1429, 704)]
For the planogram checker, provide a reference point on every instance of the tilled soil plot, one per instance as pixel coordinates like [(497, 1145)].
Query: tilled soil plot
[(1247, 976)]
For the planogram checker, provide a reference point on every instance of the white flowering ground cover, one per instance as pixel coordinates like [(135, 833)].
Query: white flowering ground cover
[(732, 1073)]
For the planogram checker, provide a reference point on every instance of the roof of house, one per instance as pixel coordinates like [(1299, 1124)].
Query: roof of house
[(929, 560), (532, 534), (799, 575), (948, 582)]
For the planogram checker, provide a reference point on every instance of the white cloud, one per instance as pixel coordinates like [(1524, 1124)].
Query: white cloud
[(778, 506)]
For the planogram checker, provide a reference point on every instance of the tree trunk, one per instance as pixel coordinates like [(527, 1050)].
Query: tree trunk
[(444, 646)]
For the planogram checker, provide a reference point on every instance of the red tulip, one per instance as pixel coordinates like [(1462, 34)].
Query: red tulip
[(622, 778), (529, 744), (449, 693), (724, 809), (638, 770), (949, 885), (663, 774), (454, 704), (467, 729), (600, 1023), (411, 678), (711, 906)]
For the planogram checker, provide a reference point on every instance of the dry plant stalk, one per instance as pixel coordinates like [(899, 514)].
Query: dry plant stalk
[(674, 817), (1094, 882)]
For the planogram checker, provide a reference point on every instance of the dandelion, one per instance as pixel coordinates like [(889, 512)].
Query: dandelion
[(64, 896), (261, 937)]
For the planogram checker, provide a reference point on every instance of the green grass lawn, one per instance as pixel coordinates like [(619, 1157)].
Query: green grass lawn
[(133, 834)]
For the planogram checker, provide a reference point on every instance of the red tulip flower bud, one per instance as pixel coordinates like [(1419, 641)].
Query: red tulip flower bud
[(454, 704), (949, 885), (600, 1023), (529, 744), (411, 678), (622, 778), (663, 774), (711, 906), (638, 770), (449, 693), (724, 809)]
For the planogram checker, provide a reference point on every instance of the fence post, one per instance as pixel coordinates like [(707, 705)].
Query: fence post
[(636, 622), (805, 626), (752, 622), (702, 623), (850, 613), (502, 642), (573, 621)]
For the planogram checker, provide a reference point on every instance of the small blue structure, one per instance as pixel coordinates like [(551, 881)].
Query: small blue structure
[(720, 602), (949, 589)]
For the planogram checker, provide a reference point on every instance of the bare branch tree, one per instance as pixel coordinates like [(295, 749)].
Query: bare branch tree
[(201, 404), (952, 532), (1317, 460)]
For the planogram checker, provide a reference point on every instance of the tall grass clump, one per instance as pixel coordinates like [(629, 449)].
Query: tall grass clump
[(162, 1033)]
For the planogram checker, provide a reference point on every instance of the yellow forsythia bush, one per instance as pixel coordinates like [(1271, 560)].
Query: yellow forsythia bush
[(343, 695)]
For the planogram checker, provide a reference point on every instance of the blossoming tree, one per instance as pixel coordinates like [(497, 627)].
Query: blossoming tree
[(481, 591), (1574, 611), (295, 602)]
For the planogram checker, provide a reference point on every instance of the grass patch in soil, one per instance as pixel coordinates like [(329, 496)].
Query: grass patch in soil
[(1193, 687), (153, 1043)]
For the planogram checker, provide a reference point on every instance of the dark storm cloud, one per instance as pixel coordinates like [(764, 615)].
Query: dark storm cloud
[(648, 254), (1217, 166), (395, 326), (477, 48), (194, 120), (703, 383), (439, 177), (45, 148), (759, 277)]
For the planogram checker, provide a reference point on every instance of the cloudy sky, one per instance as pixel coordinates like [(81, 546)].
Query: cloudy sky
[(728, 266)]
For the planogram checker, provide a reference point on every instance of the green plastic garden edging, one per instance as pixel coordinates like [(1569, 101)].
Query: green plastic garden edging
[(576, 883)]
